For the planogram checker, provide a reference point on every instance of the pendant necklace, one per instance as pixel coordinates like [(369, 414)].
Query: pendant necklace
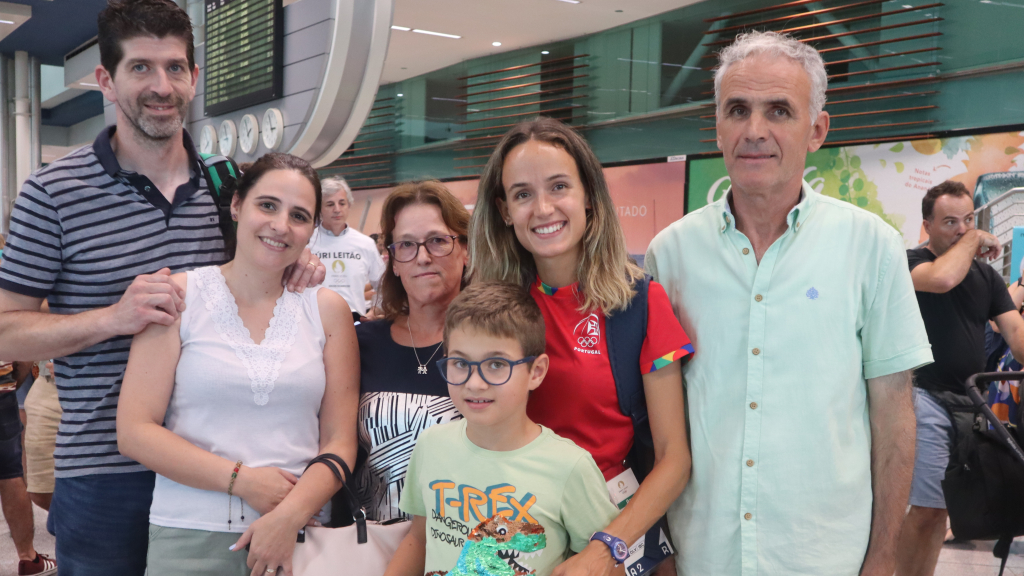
[(423, 365)]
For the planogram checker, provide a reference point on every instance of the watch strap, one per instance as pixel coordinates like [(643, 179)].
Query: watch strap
[(617, 546)]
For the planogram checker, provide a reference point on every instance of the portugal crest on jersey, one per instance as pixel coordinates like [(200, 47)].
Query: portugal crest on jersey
[(588, 332)]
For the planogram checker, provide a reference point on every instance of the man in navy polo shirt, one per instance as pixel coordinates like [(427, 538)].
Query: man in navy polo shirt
[(98, 234)]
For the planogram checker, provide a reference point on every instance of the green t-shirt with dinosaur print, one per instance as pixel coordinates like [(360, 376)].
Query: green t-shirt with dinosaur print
[(514, 513)]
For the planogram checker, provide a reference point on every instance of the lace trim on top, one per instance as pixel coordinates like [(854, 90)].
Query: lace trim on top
[(263, 361)]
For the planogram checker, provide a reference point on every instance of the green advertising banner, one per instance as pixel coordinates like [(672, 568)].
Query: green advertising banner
[(886, 179)]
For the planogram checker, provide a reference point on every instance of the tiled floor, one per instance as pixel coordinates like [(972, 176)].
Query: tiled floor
[(971, 559), (976, 559)]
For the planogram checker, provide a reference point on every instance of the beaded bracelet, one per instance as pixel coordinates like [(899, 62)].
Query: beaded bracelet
[(231, 486), (234, 474)]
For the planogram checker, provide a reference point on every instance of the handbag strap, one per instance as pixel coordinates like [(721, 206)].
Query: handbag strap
[(333, 461)]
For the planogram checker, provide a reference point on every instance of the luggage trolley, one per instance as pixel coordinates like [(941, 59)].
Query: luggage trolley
[(984, 482)]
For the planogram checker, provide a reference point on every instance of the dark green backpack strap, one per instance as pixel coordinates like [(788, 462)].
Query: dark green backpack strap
[(221, 172)]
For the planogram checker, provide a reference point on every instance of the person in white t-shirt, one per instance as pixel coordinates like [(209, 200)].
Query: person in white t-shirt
[(350, 256)]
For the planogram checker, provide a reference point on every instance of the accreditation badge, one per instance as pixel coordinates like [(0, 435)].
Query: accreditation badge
[(654, 547)]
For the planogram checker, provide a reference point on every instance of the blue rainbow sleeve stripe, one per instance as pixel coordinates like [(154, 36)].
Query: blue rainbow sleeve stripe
[(667, 359)]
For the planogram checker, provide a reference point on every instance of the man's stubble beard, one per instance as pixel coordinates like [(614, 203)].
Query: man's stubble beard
[(151, 129)]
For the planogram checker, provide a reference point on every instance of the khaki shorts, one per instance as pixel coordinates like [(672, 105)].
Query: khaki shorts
[(176, 551), (42, 409)]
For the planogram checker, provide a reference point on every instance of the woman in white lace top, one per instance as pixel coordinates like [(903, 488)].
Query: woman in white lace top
[(227, 424)]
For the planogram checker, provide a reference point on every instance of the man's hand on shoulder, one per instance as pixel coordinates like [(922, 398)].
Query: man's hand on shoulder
[(28, 333), (150, 299), (308, 271)]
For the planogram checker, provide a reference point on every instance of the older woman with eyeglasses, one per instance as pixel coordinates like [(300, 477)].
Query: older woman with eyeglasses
[(402, 392)]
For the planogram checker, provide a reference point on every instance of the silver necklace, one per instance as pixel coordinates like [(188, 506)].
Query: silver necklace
[(423, 365)]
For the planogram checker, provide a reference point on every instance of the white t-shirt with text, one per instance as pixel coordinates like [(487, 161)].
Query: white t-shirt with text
[(352, 260)]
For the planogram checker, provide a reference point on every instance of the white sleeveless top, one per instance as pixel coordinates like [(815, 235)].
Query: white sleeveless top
[(256, 403)]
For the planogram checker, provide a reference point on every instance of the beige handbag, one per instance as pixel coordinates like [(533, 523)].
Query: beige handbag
[(336, 551), (363, 548)]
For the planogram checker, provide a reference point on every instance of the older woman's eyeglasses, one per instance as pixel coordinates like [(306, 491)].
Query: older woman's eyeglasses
[(407, 250)]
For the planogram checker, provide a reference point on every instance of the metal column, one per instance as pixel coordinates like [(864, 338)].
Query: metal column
[(7, 192), (36, 106), (22, 119)]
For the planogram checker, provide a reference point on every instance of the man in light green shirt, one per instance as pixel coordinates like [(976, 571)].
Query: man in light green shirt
[(802, 425)]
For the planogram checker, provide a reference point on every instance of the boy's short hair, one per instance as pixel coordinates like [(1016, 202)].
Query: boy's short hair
[(499, 309), (126, 19)]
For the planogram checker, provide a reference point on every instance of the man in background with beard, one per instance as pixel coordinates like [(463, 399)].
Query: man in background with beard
[(98, 233)]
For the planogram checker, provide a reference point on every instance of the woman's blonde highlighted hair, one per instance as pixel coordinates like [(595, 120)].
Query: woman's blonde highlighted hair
[(605, 273), (394, 299)]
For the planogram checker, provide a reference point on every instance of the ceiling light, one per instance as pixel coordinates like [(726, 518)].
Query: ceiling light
[(495, 43), (418, 31), (88, 84), (545, 52), (402, 28), (6, 22), (571, 1), (400, 95)]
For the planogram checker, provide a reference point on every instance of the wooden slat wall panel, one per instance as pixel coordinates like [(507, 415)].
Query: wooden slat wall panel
[(866, 30), (790, 18), (794, 4), (557, 93), (842, 21), (370, 160)]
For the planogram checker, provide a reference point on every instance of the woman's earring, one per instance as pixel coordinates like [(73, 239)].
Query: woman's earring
[(508, 223)]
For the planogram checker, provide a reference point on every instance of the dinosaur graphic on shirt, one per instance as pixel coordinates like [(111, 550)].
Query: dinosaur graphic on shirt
[(498, 547)]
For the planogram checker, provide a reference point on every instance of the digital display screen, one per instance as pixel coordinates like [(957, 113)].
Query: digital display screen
[(244, 60)]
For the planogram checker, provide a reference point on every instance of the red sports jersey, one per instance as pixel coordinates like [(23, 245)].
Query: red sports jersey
[(577, 398)]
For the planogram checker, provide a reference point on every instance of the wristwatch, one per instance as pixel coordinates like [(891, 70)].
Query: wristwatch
[(619, 549)]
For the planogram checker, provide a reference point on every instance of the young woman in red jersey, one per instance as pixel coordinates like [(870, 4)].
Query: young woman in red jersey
[(544, 219)]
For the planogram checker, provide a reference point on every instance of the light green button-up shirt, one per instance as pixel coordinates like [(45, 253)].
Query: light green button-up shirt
[(777, 393)]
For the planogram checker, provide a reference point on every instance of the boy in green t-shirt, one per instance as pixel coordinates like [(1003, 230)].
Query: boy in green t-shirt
[(496, 494)]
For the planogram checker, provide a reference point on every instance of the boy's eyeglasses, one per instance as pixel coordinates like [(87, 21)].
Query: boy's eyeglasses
[(495, 371), (438, 246)]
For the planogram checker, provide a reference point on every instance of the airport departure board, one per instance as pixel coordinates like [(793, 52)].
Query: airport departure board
[(244, 54)]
